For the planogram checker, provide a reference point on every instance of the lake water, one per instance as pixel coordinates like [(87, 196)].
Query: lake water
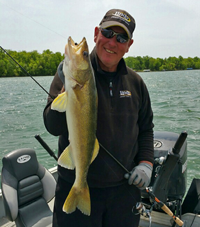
[(175, 100)]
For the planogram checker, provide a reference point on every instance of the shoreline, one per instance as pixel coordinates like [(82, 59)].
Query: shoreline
[(139, 71)]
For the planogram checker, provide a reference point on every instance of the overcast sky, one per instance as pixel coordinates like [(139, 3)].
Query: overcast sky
[(163, 27)]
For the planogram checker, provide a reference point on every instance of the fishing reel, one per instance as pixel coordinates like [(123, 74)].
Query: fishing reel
[(146, 209), (170, 165), (170, 157)]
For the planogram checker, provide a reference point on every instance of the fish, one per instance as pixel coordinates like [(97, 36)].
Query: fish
[(79, 101)]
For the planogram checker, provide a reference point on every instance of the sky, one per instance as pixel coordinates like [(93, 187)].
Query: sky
[(164, 28)]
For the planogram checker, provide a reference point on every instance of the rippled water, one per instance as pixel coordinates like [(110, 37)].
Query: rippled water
[(175, 100)]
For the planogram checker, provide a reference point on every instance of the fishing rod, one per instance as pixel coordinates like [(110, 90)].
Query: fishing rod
[(119, 163), (176, 148), (26, 72), (139, 206), (37, 136), (178, 221), (46, 147)]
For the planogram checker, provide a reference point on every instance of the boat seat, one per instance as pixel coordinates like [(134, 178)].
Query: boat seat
[(27, 187)]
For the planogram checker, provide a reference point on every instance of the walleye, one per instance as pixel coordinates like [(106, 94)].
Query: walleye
[(80, 103)]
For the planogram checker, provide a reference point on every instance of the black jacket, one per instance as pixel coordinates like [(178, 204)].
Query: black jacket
[(124, 124)]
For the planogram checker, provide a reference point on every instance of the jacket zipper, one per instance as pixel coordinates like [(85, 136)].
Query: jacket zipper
[(111, 88), (111, 92)]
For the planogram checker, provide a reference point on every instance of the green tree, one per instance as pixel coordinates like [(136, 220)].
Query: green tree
[(46, 63), (146, 60)]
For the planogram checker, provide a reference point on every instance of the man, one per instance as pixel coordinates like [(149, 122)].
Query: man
[(124, 128)]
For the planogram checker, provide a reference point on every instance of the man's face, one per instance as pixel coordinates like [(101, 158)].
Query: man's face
[(109, 51)]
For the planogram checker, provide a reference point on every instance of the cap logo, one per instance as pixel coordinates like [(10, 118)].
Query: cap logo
[(122, 15)]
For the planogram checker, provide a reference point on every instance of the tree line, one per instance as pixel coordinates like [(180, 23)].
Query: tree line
[(46, 63), (159, 64), (34, 63)]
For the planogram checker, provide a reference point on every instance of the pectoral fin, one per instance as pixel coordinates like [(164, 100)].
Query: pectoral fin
[(66, 159), (60, 102), (96, 150)]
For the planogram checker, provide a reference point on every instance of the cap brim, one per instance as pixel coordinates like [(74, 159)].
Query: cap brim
[(107, 24)]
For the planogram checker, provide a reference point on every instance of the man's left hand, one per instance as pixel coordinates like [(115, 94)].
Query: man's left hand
[(140, 176)]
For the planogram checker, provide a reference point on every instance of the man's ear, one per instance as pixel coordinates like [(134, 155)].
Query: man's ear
[(96, 32), (130, 42)]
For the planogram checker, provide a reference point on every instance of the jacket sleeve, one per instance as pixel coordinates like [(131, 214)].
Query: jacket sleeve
[(54, 121), (145, 121)]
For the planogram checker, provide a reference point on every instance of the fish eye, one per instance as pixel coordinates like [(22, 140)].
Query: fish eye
[(85, 53)]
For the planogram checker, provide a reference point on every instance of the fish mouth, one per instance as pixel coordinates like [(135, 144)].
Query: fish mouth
[(78, 53), (77, 60), (77, 48)]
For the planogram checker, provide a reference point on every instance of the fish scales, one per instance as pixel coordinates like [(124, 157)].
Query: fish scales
[(79, 101)]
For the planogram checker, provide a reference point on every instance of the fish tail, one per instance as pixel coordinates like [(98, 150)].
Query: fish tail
[(80, 198)]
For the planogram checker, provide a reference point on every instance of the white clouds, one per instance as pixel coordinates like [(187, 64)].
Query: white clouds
[(163, 28)]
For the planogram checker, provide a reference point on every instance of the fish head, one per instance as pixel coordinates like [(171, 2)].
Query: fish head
[(77, 61)]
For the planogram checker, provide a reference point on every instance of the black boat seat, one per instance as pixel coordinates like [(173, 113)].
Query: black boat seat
[(27, 187)]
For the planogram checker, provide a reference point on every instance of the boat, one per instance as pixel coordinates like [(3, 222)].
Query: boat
[(164, 203), (146, 70)]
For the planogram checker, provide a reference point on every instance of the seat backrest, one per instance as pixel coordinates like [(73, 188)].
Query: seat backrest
[(24, 182)]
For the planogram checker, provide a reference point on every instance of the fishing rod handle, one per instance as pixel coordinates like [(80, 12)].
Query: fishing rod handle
[(179, 143), (46, 147), (169, 212)]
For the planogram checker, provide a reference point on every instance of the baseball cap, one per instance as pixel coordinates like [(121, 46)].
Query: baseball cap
[(118, 17)]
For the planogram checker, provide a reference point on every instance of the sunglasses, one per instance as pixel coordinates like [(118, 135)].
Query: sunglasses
[(108, 33)]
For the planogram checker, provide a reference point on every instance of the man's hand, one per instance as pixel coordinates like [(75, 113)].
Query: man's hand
[(140, 176)]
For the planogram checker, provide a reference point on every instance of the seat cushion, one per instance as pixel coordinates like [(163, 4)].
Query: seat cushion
[(29, 189), (46, 222), (35, 214)]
